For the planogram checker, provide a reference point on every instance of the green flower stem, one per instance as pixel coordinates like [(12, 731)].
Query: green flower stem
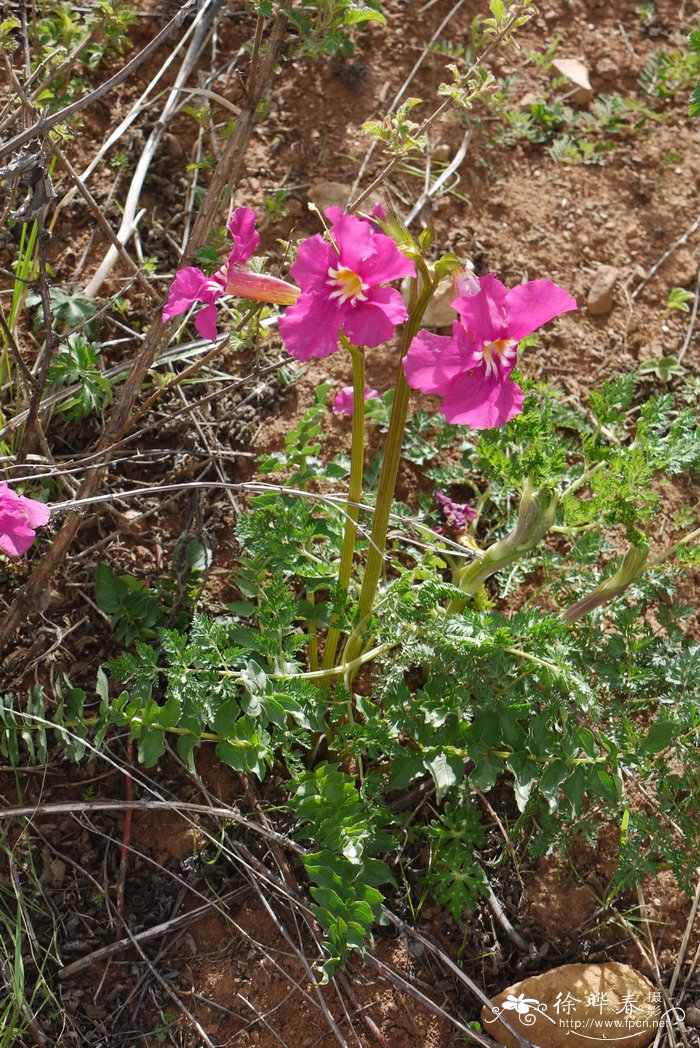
[(535, 517), (387, 480), (312, 634), (357, 465), (633, 564)]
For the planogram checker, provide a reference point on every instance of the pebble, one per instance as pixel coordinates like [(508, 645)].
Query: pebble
[(692, 1017), (439, 313), (338, 194), (329, 194), (611, 1001), (606, 68), (602, 291)]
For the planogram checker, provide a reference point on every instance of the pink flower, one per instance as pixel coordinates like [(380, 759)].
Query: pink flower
[(19, 519), (343, 290), (377, 214), (345, 400), (470, 369), (191, 285)]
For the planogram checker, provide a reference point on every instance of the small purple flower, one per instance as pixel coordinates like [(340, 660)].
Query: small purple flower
[(471, 368), (19, 518), (191, 285), (343, 289), (377, 214), (456, 516), (345, 400)]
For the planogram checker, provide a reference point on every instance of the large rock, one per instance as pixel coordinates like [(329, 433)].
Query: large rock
[(578, 1004), (602, 293)]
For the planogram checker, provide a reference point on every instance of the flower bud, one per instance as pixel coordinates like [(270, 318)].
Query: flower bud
[(536, 515), (260, 287), (465, 281)]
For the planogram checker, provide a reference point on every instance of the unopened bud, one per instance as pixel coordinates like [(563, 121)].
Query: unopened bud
[(260, 287), (465, 281)]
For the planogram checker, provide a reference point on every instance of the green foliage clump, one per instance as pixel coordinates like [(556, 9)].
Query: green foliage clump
[(325, 28), (78, 363)]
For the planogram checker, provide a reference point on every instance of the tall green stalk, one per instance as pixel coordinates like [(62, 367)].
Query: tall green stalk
[(387, 478), (352, 512)]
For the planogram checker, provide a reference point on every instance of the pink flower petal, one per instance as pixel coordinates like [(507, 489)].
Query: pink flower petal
[(188, 287), (483, 314), (311, 327), (386, 263), (482, 401), (206, 321), (333, 214), (433, 362), (314, 258), (353, 237), (245, 236), (372, 322), (19, 517), (531, 305)]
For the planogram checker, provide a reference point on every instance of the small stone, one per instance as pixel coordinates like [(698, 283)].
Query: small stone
[(56, 598), (602, 292), (329, 194), (530, 99), (575, 71), (692, 1017), (338, 194), (610, 1002), (606, 68), (439, 313), (441, 151)]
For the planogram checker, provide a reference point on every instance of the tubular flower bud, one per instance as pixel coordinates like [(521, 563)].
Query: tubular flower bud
[(260, 287)]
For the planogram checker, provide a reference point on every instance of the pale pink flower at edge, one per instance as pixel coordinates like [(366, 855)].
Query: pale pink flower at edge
[(19, 518), (191, 285), (344, 401), (343, 289), (471, 368)]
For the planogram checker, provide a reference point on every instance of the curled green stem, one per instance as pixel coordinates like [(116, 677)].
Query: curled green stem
[(536, 515)]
